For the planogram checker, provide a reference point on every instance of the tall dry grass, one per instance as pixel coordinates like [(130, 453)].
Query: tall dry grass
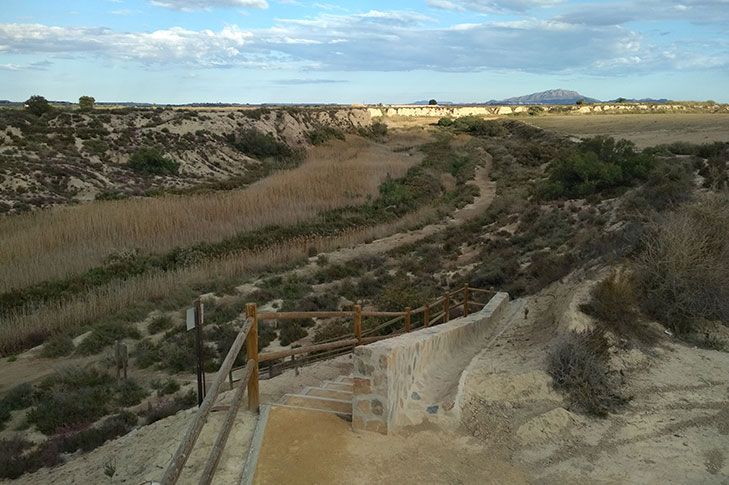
[(28, 328), (66, 241)]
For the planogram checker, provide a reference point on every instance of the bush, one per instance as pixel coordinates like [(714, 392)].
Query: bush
[(479, 127), (129, 393), (614, 303), (86, 103), (376, 131), (160, 323), (170, 407), (168, 386), (598, 164), (324, 134), (684, 266), (291, 331), (263, 145), (151, 161), (58, 346), (105, 334), (91, 438), (38, 105), (579, 366), (60, 408)]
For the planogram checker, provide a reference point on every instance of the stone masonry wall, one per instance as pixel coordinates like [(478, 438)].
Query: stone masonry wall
[(385, 371)]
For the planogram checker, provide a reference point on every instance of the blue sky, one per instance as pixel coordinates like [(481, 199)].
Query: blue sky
[(253, 51)]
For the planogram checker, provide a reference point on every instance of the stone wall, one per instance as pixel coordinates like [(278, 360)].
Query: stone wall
[(385, 372)]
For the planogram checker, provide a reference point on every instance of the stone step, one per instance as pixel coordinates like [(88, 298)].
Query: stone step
[(339, 386), (328, 393), (345, 379), (318, 403)]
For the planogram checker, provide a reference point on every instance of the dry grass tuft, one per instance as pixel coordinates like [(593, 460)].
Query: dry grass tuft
[(684, 268)]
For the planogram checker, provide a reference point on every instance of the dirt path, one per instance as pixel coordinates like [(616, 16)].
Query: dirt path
[(487, 192), (322, 448)]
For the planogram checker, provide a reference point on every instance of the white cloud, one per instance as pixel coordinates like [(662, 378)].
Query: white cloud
[(377, 41), (492, 6), (192, 5)]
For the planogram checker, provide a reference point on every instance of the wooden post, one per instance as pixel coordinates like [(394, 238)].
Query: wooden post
[(408, 316), (466, 293), (296, 366), (426, 315), (199, 322), (252, 354), (358, 323)]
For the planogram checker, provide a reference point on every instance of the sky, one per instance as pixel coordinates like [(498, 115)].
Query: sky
[(301, 51)]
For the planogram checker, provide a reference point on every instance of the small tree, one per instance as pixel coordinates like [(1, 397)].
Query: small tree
[(432, 102), (86, 103), (37, 105), (580, 102), (621, 100), (151, 161)]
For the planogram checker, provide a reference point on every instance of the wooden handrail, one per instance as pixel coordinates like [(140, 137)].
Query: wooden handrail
[(172, 474), (305, 350), (215, 453)]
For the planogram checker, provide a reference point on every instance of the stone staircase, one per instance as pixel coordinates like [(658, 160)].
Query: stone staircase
[(331, 397)]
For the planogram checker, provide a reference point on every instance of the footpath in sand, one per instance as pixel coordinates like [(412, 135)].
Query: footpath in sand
[(305, 447)]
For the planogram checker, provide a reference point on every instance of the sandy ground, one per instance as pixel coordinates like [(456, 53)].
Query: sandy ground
[(322, 448), (643, 129), (675, 430)]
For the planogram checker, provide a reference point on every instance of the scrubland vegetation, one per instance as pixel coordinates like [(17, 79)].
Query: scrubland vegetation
[(659, 217)]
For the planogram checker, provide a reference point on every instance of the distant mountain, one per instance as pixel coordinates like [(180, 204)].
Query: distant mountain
[(553, 96)]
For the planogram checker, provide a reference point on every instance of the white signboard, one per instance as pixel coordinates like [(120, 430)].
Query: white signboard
[(190, 318)]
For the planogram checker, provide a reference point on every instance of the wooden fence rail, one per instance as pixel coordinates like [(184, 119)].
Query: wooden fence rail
[(425, 316)]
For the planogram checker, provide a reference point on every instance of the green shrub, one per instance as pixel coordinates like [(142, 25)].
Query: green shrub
[(323, 134), (445, 122), (60, 408), (598, 164), (38, 105), (579, 366), (264, 145), (91, 438), (480, 127), (105, 334), (376, 131), (160, 323), (129, 393), (146, 353), (151, 161), (291, 331), (168, 386), (58, 346)]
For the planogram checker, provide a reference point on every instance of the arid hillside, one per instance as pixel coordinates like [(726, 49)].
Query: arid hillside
[(67, 156), (615, 257)]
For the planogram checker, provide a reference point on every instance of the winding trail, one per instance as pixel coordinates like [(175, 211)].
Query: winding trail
[(487, 192)]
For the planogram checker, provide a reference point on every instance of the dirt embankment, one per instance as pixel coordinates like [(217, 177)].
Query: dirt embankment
[(674, 430)]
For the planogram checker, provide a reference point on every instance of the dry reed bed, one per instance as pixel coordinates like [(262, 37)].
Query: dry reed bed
[(21, 330), (66, 241)]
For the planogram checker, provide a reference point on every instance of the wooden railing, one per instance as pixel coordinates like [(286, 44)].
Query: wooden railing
[(457, 302), (247, 336)]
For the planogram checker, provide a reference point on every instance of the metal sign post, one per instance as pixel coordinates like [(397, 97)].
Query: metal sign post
[(195, 320)]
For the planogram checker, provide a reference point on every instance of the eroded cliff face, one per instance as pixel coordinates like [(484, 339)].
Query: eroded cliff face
[(70, 156), (458, 111)]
